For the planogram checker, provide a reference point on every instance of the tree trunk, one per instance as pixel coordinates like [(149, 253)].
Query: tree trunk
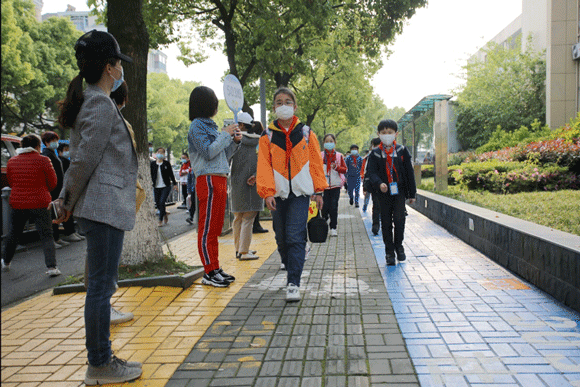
[(125, 22), (143, 242)]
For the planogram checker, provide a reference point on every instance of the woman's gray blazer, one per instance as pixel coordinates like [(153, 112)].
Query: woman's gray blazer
[(100, 183)]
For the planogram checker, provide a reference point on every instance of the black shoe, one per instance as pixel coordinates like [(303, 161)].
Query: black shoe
[(400, 253), (390, 259), (375, 230), (356, 205), (189, 220), (214, 278), (351, 201), (259, 230), (227, 277)]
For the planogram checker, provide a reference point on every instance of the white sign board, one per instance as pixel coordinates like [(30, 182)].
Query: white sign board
[(233, 94)]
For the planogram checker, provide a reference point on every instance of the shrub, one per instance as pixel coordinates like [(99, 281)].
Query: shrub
[(513, 177), (503, 139), (427, 171), (458, 158), (558, 151)]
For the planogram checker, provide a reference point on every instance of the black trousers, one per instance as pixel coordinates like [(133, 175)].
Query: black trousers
[(376, 210), (42, 218), (161, 195), (392, 216), (330, 206), (184, 193)]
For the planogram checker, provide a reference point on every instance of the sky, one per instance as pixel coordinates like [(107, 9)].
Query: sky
[(426, 58)]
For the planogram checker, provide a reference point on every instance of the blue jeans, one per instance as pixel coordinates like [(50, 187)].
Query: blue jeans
[(289, 221), (353, 187), (160, 195), (104, 246)]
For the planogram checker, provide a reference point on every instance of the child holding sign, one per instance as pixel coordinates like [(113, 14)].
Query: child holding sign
[(210, 152), (390, 172)]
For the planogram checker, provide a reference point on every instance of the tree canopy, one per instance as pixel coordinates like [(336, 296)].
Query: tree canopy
[(38, 62), (506, 90)]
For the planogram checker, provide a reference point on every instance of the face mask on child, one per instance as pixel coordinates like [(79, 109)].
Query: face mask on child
[(329, 146), (387, 139), (354, 152)]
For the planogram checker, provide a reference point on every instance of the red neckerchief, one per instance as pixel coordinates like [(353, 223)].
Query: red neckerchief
[(354, 163), (390, 165), (288, 142), (330, 158)]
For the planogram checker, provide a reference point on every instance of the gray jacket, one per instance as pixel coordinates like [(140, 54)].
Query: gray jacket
[(245, 197), (100, 183)]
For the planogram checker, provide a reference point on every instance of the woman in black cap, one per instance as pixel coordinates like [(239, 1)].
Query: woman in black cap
[(99, 189)]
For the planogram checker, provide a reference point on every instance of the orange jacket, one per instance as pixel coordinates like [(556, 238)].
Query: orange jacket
[(304, 174)]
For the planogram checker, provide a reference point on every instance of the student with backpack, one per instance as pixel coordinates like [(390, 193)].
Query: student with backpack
[(289, 173), (370, 192), (354, 165), (391, 174), (334, 169)]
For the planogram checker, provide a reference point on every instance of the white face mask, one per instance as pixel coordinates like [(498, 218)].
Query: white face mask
[(285, 112), (387, 139)]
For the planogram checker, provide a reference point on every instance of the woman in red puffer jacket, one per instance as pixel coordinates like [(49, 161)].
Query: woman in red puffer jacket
[(31, 177)]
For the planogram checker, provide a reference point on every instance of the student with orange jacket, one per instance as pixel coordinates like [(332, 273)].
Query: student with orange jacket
[(290, 171)]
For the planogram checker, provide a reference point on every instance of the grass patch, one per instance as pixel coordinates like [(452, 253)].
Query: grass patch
[(556, 209), (166, 266)]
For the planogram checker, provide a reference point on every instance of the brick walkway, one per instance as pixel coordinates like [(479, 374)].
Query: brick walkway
[(448, 316)]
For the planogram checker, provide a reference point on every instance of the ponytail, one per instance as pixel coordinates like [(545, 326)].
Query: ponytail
[(91, 70), (71, 105)]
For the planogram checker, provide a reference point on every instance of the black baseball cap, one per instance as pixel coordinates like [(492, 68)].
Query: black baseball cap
[(100, 44)]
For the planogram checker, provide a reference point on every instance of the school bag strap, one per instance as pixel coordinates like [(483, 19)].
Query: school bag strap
[(305, 132)]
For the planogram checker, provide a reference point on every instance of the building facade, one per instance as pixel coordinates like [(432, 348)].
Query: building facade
[(554, 26), (84, 21)]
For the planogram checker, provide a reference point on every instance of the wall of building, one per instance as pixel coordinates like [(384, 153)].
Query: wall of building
[(562, 73)]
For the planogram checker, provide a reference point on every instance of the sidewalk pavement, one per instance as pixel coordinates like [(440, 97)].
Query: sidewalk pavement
[(448, 316)]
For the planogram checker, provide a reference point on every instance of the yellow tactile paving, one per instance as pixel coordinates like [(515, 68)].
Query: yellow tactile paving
[(43, 339)]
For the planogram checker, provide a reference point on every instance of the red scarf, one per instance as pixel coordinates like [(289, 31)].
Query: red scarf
[(354, 158), (330, 158), (288, 142), (390, 165)]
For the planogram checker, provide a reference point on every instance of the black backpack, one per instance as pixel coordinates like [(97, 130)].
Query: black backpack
[(317, 229)]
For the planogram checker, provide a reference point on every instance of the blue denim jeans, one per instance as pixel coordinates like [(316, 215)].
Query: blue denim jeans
[(104, 246), (160, 195), (289, 221)]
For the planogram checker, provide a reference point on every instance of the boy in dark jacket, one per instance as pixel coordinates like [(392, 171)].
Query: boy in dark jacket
[(390, 172)]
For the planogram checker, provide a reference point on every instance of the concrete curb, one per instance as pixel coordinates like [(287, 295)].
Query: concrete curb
[(177, 281)]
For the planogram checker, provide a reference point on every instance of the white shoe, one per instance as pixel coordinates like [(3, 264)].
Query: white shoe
[(307, 251), (57, 245), (292, 293), (74, 237), (62, 242), (53, 272), (333, 232), (5, 267), (282, 267), (248, 256), (118, 317)]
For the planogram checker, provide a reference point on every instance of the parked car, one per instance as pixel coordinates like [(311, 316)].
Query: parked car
[(9, 145)]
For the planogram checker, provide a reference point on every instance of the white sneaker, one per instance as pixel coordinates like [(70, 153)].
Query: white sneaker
[(282, 267), (292, 293), (53, 271), (248, 256), (307, 251), (5, 267), (333, 232), (62, 242), (118, 317), (57, 245), (74, 237)]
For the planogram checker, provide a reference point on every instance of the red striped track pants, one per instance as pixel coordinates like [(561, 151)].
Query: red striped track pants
[(212, 195)]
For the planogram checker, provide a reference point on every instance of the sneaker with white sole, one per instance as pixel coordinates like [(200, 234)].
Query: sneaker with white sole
[(292, 293), (333, 232), (282, 266), (62, 242), (116, 371), (53, 271), (248, 257), (74, 237), (118, 317), (57, 245), (229, 278), (307, 253), (214, 278), (5, 267)]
